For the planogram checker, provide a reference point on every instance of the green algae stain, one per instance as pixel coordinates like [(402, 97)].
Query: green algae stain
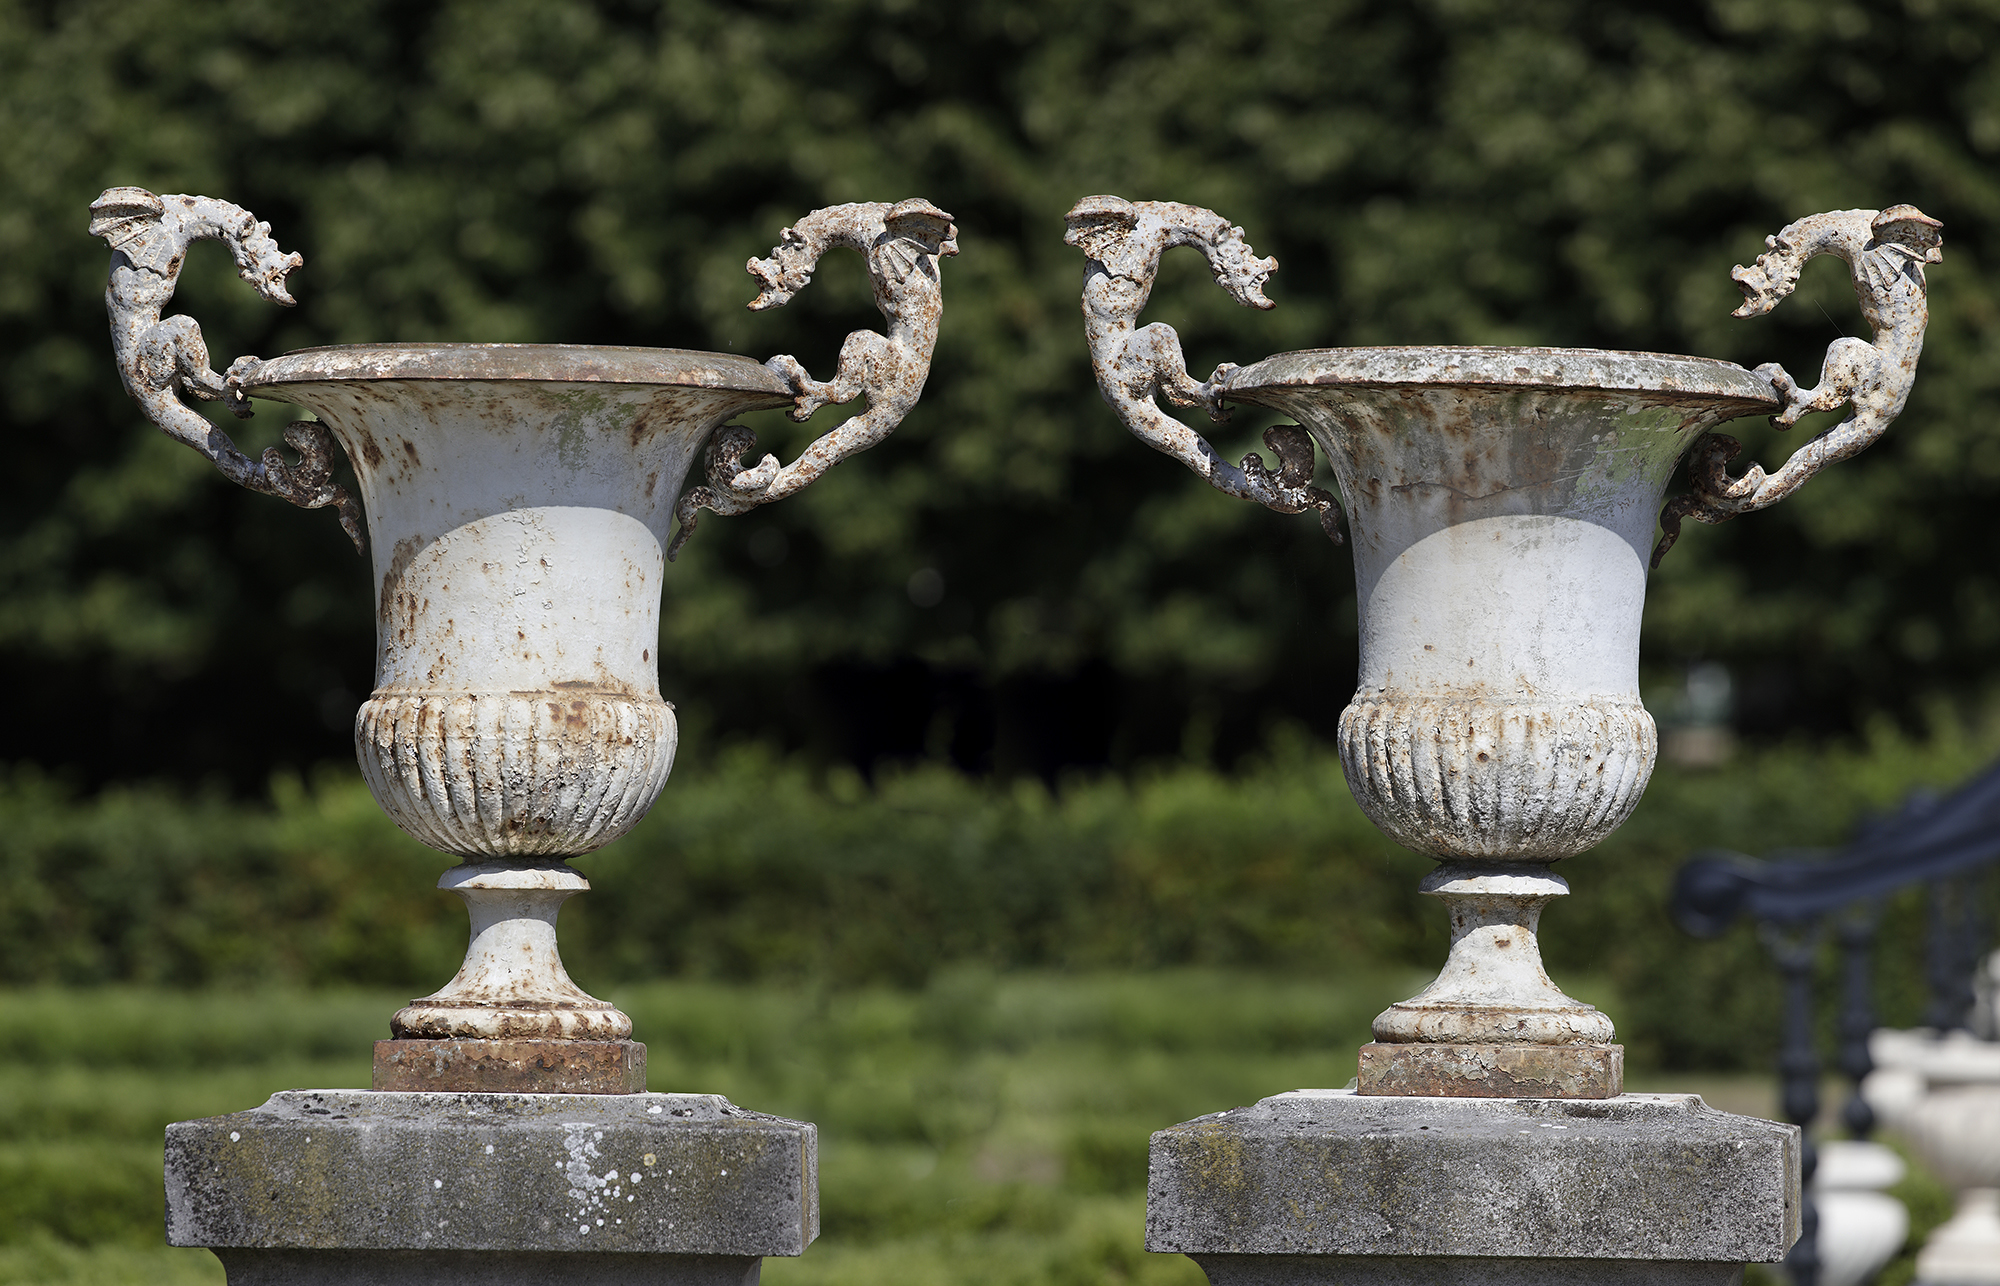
[(579, 416)]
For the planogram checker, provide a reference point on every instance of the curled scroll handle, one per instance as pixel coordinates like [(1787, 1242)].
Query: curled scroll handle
[(163, 359), (902, 244), (1137, 364), (1885, 251)]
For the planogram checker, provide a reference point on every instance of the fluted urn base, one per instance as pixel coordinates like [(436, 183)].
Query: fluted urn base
[(1496, 780), (515, 774)]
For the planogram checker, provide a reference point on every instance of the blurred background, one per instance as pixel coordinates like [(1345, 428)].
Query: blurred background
[(1006, 826)]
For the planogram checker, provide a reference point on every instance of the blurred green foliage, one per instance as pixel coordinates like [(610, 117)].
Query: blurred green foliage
[(754, 867), (1462, 171)]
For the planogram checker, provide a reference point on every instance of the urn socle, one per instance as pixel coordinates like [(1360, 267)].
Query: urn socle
[(1502, 505), (519, 500)]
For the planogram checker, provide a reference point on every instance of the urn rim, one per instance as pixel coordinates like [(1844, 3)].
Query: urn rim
[(1667, 376), (519, 363)]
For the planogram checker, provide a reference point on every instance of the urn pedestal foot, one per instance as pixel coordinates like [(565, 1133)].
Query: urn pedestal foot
[(1493, 1071), (357, 1188), (1493, 1025), (511, 1021), (1330, 1188), (510, 1066)]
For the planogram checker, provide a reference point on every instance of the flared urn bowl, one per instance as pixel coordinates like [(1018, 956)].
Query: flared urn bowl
[(518, 501), (1501, 504)]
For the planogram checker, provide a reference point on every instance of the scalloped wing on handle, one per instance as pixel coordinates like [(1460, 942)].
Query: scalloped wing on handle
[(1885, 251), (902, 244), (1135, 365), (162, 359)]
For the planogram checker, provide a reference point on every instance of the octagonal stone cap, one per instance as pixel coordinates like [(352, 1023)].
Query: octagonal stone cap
[(684, 1174), (1327, 1172)]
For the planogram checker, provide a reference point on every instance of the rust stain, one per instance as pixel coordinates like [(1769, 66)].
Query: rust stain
[(389, 604)]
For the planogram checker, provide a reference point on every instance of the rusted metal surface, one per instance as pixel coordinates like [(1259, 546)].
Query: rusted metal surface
[(518, 497), (1885, 251), (510, 1066), (902, 244), (1501, 503), (1134, 365), (519, 500), (1473, 774), (160, 359), (1493, 1071)]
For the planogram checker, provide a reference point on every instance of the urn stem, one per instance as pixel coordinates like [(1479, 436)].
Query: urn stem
[(512, 985), (1493, 988)]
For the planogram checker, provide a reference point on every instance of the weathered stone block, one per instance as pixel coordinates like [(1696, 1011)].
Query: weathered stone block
[(1492, 1071), (1349, 1188), (510, 1066), (356, 1170)]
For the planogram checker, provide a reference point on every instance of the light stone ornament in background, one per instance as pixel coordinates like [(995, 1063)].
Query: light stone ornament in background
[(1940, 1092), (519, 500), (1861, 1227)]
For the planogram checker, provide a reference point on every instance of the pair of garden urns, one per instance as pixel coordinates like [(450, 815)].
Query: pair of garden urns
[(1503, 505)]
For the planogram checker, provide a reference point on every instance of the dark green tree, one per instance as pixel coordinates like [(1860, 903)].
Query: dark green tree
[(1446, 171)]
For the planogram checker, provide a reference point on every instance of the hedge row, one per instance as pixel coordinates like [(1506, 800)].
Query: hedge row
[(753, 866)]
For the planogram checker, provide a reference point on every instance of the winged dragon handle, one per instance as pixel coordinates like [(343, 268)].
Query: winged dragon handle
[(162, 359), (1135, 365), (1885, 251), (902, 244)]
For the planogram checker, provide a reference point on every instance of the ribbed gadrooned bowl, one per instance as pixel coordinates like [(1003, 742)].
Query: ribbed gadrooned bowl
[(1496, 781), (515, 774)]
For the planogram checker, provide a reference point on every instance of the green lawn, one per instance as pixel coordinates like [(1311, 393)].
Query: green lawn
[(985, 1130)]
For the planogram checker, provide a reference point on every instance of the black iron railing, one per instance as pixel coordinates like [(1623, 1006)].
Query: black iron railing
[(1797, 897)]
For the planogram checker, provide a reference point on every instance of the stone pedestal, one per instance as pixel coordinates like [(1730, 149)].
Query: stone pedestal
[(1322, 1187), (356, 1188)]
